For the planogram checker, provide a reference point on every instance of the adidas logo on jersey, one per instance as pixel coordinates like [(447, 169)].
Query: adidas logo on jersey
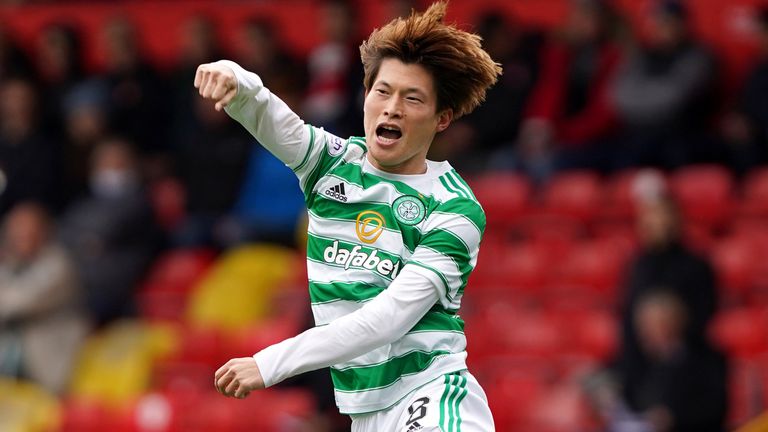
[(415, 427), (337, 192)]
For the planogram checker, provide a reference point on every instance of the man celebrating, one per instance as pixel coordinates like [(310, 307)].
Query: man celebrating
[(392, 236)]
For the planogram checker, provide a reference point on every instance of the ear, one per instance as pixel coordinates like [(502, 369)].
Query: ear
[(444, 119)]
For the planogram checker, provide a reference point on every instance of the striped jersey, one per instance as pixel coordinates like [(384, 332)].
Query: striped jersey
[(365, 225)]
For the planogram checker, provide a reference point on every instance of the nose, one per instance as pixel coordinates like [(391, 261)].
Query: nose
[(394, 108)]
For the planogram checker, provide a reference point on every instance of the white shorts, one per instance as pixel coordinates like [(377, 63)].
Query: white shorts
[(452, 403)]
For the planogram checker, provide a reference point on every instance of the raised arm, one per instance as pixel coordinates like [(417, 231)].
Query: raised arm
[(244, 97)]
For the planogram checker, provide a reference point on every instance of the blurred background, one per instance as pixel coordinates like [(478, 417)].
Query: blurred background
[(621, 160)]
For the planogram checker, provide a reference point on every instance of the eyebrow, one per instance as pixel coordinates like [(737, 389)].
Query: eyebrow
[(407, 90)]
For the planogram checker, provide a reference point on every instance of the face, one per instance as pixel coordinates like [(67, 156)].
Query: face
[(657, 223), (664, 32), (584, 24), (25, 233), (660, 326), (401, 117)]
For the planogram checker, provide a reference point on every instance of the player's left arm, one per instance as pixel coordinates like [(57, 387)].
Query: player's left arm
[(386, 318)]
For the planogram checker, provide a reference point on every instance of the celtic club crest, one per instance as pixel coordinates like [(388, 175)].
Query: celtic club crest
[(409, 210)]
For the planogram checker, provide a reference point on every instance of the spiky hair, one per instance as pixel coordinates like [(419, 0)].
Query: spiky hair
[(462, 71)]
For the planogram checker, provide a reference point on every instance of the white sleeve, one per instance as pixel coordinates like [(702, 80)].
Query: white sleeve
[(386, 318), (267, 117)]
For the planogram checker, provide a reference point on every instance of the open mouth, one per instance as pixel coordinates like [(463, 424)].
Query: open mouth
[(388, 133)]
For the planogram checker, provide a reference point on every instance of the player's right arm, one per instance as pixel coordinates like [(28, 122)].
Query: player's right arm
[(244, 97)]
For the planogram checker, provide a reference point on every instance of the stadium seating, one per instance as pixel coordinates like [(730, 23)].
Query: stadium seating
[(25, 406), (742, 332), (504, 197), (705, 192), (754, 200), (165, 291), (574, 194)]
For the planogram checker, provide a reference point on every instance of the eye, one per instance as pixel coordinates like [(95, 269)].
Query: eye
[(382, 92), (413, 99)]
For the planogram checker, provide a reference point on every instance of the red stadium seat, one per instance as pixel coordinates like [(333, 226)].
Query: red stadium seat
[(504, 197), (514, 386), (735, 259), (573, 194), (755, 194), (742, 332), (167, 197), (705, 193), (524, 267), (79, 415), (593, 268), (619, 193), (164, 293), (180, 269), (593, 333)]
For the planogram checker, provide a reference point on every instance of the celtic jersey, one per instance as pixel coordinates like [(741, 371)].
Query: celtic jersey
[(366, 227)]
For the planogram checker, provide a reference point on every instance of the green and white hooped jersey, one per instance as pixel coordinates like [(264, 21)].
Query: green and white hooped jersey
[(365, 225)]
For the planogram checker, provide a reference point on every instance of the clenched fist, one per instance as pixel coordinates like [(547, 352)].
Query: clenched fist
[(238, 377), (217, 82)]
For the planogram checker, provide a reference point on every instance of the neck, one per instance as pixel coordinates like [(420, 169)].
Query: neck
[(411, 167)]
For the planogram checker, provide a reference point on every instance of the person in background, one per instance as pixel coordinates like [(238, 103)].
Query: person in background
[(744, 129), (334, 95), (677, 386), (29, 168), (85, 117), (494, 126), (663, 94), (60, 67), (42, 322), (570, 118), (211, 159), (259, 49), (664, 260), (136, 108), (198, 41), (110, 231), (14, 62)]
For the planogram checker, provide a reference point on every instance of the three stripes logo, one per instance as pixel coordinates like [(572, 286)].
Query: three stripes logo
[(337, 192)]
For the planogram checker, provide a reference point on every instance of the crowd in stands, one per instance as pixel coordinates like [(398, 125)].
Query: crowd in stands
[(104, 171)]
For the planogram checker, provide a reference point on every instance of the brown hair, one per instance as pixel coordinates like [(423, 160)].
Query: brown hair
[(461, 69)]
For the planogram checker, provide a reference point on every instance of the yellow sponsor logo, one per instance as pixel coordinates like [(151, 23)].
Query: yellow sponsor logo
[(369, 226)]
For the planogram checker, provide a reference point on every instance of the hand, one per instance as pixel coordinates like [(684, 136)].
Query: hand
[(238, 378), (216, 82)]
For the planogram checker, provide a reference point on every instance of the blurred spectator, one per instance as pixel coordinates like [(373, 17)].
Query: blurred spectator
[(570, 116), (199, 44), (677, 386), (28, 159), (664, 261), (335, 92), (137, 107), (59, 62), (269, 205), (110, 231), (664, 93), (745, 128), (42, 323), (85, 108), (259, 50), (14, 62), (211, 159), (472, 142)]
